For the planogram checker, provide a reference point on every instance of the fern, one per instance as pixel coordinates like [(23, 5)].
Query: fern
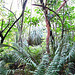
[(61, 58), (19, 55), (64, 54), (24, 54), (64, 57), (42, 66)]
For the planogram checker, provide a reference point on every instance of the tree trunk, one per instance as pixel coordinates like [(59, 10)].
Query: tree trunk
[(48, 31)]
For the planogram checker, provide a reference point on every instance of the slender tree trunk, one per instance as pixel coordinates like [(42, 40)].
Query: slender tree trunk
[(48, 31)]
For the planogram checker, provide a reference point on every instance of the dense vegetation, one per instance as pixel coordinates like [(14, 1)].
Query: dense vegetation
[(25, 48)]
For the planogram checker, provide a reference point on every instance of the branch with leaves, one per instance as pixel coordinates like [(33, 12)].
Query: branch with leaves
[(23, 8)]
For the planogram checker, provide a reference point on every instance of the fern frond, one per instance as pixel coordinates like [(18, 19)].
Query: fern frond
[(41, 69)]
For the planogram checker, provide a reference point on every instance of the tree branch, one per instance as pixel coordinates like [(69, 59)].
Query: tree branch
[(23, 8), (11, 12), (2, 25), (50, 10), (6, 26)]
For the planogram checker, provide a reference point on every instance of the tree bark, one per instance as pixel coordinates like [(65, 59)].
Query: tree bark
[(48, 31)]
